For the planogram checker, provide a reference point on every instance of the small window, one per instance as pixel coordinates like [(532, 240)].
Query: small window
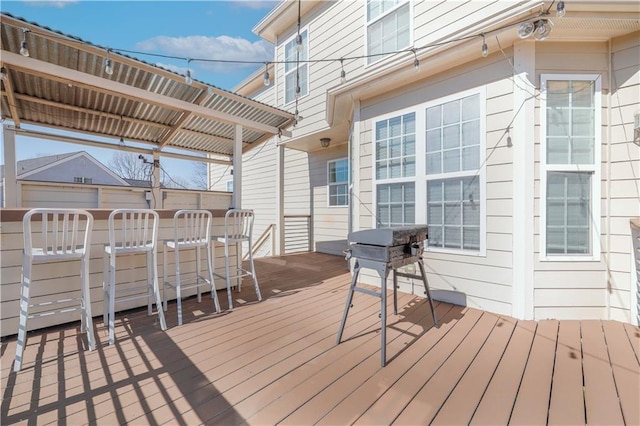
[(79, 179), (296, 69), (388, 27), (230, 185), (338, 171)]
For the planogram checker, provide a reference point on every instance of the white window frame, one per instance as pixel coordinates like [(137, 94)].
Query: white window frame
[(304, 90), (594, 170), (481, 172), (420, 178), (369, 62), (330, 184)]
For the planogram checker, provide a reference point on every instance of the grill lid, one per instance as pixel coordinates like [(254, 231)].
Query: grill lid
[(394, 236)]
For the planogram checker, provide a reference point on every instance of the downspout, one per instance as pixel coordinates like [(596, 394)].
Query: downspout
[(608, 174)]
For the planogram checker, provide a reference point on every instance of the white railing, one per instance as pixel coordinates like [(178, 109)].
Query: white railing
[(53, 194)]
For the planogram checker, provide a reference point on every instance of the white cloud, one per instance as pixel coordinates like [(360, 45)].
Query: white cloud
[(51, 3), (214, 48), (175, 68), (256, 4)]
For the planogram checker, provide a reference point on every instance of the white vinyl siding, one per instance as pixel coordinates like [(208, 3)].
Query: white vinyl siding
[(388, 27), (296, 73), (434, 175), (570, 125), (338, 176)]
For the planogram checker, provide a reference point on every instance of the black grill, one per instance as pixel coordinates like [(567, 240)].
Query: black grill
[(385, 250)]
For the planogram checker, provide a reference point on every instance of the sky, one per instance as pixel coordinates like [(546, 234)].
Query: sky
[(204, 29)]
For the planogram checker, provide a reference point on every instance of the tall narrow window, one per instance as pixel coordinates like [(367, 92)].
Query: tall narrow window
[(570, 127), (296, 70), (453, 135), (338, 176), (388, 27)]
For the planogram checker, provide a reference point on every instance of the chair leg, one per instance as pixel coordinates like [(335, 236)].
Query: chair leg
[(238, 267), (214, 294), (226, 270), (156, 289), (150, 275), (24, 312), (176, 256), (253, 272), (86, 302), (164, 276), (112, 297), (105, 289), (198, 274)]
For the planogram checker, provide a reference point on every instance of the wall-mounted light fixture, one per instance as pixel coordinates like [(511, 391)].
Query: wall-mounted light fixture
[(324, 142), (540, 29)]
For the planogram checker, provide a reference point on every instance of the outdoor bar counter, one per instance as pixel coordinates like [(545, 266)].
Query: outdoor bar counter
[(61, 280)]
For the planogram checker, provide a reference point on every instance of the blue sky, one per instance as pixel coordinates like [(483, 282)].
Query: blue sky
[(204, 29)]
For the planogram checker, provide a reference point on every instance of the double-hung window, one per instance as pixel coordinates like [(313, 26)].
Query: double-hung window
[(429, 168), (453, 134), (296, 70), (395, 170), (338, 176), (570, 177), (388, 27)]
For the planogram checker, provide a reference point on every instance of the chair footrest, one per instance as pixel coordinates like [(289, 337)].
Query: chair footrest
[(55, 312), (241, 273), (189, 283)]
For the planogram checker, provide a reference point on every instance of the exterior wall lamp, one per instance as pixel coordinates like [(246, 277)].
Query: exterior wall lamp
[(324, 142)]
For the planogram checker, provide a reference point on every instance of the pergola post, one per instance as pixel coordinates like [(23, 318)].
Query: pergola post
[(10, 196), (157, 192), (279, 201), (236, 199)]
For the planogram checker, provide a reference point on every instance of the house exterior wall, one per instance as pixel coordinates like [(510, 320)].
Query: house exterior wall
[(72, 168), (482, 281), (509, 275)]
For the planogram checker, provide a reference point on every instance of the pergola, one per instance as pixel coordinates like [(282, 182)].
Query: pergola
[(62, 84)]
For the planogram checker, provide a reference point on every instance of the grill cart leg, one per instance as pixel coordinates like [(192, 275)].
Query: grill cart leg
[(384, 273), (356, 271), (426, 287), (395, 292)]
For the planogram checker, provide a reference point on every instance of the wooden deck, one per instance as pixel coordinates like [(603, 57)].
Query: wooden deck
[(277, 362)]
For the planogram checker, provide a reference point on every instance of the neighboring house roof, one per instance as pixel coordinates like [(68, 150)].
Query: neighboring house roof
[(33, 164), (25, 168)]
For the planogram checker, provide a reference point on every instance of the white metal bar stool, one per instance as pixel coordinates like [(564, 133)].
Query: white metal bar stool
[(64, 234), (131, 231), (238, 228), (191, 230)]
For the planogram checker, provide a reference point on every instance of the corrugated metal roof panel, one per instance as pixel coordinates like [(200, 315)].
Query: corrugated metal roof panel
[(60, 100)]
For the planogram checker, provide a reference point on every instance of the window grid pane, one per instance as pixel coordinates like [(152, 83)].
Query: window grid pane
[(395, 204), (453, 136), (338, 171), (570, 119), (453, 212), (387, 31), (395, 147), (568, 213), (291, 68)]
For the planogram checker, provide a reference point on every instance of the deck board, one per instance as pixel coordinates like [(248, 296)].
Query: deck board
[(497, 402), (626, 371), (602, 404), (277, 361), (567, 401), (465, 397), (532, 402)]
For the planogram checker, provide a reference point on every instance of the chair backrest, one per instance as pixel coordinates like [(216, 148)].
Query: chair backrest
[(62, 232), (133, 228), (192, 226), (238, 224)]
